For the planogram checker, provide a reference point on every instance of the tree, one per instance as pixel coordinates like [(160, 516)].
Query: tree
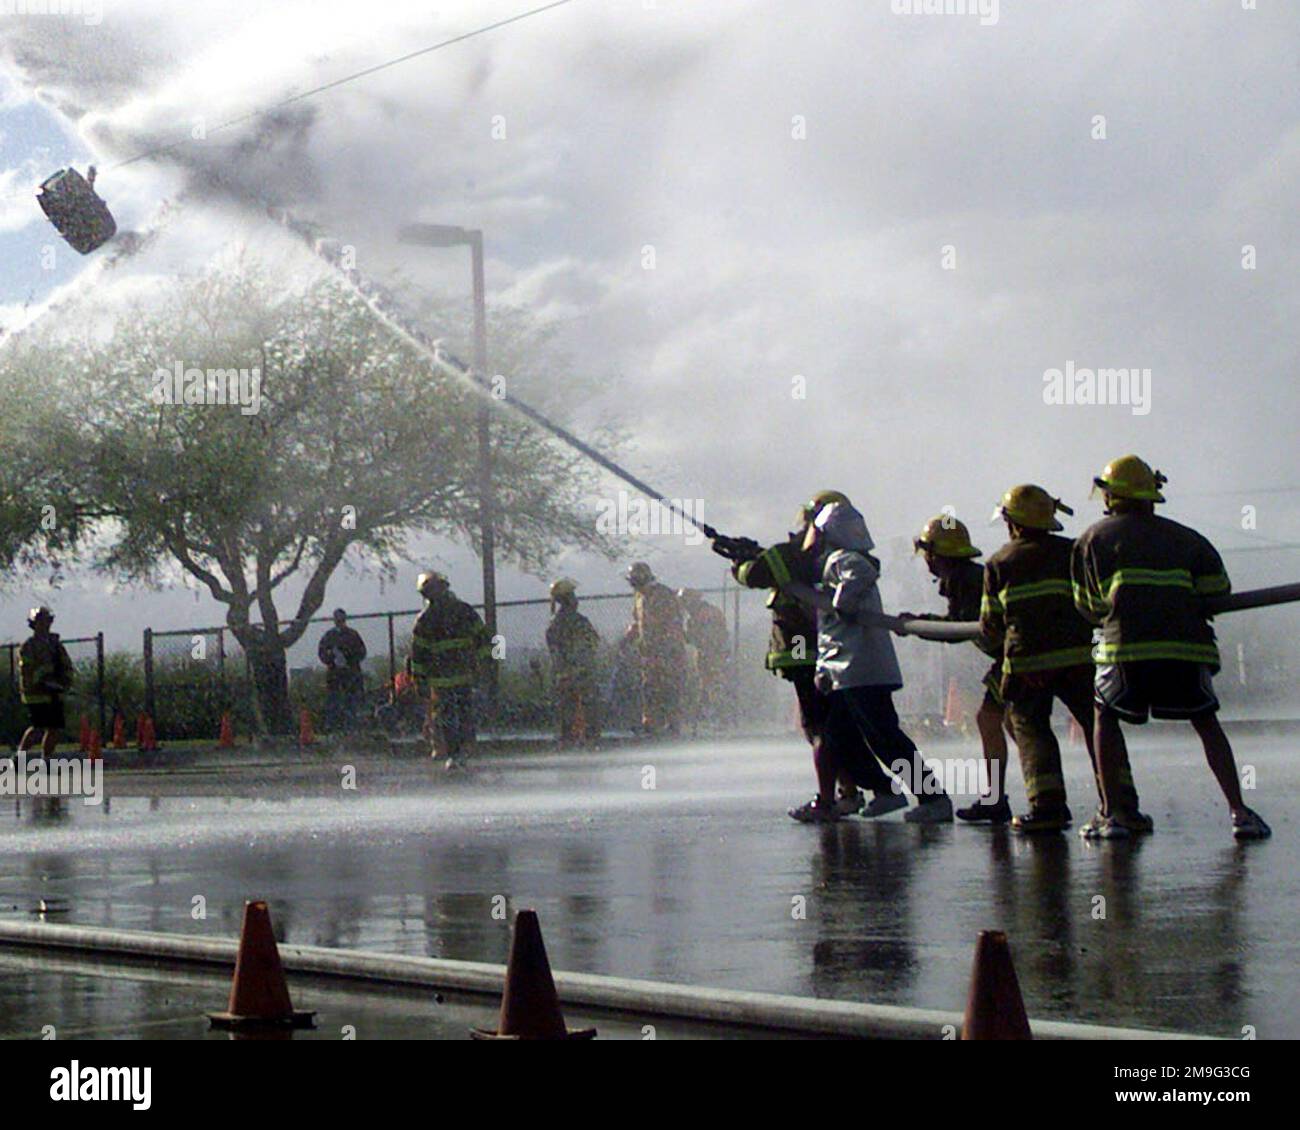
[(355, 444)]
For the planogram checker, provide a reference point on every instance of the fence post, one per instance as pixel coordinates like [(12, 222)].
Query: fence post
[(221, 653), (147, 647), (392, 651), (99, 681)]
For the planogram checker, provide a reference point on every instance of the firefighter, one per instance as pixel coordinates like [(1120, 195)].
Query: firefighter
[(1141, 579), (1028, 614), (573, 644), (656, 630), (856, 665), (45, 675), (450, 651), (706, 632), (792, 655), (342, 651), (950, 557)]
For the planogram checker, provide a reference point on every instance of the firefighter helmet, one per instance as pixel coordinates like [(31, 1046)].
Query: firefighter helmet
[(1031, 507), (40, 612), (430, 580), (810, 509), (638, 574), (945, 536), (1130, 477)]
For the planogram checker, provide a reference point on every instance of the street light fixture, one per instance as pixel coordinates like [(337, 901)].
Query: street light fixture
[(445, 235)]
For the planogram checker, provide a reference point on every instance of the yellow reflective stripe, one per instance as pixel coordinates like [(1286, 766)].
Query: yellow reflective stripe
[(782, 659), (437, 646), (990, 603), (1054, 586), (775, 562), (1155, 649), (1155, 578), (1047, 660), (1212, 584), (1085, 598)]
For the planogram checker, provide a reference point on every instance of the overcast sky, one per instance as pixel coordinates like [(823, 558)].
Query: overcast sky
[(798, 170)]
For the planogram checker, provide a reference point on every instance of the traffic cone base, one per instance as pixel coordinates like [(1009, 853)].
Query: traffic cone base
[(995, 1009), (259, 994), (530, 1006)]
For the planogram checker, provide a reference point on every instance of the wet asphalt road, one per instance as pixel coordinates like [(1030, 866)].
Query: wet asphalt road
[(700, 879)]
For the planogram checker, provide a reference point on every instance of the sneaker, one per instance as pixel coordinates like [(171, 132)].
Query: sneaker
[(1249, 825), (1121, 826), (982, 812), (814, 813), (1041, 820), (935, 811), (846, 804), (882, 803)]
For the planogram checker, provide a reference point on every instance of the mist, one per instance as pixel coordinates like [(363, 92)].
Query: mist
[(834, 247)]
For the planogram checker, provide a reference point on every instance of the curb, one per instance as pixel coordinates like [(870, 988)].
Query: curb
[(768, 1011)]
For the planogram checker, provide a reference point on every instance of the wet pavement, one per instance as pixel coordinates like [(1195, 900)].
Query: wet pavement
[(698, 879)]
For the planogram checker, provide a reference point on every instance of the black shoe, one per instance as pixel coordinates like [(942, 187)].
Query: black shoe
[(1039, 820), (982, 812)]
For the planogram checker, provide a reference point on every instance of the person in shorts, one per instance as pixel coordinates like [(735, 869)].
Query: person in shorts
[(1142, 580)]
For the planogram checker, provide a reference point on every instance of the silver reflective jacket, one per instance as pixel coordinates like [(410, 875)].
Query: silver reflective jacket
[(849, 652)]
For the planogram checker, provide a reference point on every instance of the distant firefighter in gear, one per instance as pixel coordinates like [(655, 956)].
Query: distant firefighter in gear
[(792, 655), (1141, 579), (656, 629), (450, 653), (706, 632), (950, 557), (45, 675), (1028, 613), (574, 646), (856, 665), (342, 651)]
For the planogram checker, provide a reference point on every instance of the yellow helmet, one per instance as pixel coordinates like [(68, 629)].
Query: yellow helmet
[(563, 587), (1130, 477), (810, 509), (1032, 507), (945, 536)]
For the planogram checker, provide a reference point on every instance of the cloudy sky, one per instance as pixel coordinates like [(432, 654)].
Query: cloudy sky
[(804, 245)]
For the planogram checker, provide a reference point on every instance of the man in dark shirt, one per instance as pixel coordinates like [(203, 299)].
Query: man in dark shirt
[(342, 650)]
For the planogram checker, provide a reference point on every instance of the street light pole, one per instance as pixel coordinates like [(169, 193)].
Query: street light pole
[(442, 235), (486, 500)]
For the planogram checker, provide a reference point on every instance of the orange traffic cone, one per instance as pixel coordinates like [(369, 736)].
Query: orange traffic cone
[(95, 749), (306, 735), (226, 739), (995, 1009), (259, 994), (119, 731), (83, 738), (530, 1006), (145, 736)]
